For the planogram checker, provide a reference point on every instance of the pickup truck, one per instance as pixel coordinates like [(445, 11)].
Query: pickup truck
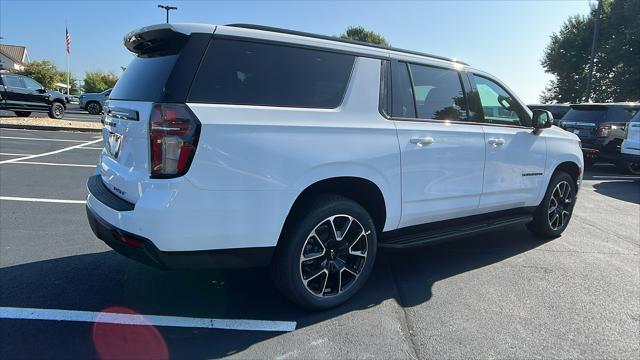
[(23, 95)]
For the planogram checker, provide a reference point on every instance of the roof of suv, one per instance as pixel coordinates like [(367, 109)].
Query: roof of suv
[(283, 35)]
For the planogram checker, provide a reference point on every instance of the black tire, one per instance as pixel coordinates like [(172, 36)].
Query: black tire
[(334, 268), (542, 224), (22, 113), (629, 167), (94, 108), (56, 111)]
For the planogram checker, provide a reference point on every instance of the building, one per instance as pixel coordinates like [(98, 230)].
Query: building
[(13, 57)]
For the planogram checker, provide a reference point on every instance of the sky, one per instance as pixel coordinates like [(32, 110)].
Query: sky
[(504, 38)]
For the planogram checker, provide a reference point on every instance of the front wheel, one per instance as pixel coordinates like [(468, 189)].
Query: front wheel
[(554, 212), (327, 254), (94, 108), (56, 111)]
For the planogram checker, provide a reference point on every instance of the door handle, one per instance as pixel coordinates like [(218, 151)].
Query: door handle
[(496, 142), (421, 141)]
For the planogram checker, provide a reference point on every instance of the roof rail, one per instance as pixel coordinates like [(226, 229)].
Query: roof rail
[(333, 38)]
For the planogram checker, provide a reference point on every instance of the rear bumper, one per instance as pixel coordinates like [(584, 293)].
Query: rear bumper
[(144, 250)]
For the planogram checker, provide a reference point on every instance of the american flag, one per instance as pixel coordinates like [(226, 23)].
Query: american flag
[(68, 40)]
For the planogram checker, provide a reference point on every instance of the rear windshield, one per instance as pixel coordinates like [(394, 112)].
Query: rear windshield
[(144, 79), (585, 115), (250, 73)]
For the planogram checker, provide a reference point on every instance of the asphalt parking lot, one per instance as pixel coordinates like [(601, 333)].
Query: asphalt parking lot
[(501, 295)]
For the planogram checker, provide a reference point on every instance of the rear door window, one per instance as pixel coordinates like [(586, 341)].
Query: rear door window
[(15, 81), (438, 93), (251, 73)]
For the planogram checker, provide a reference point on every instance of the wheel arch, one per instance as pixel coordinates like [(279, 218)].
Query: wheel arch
[(570, 168), (363, 191), (57, 100)]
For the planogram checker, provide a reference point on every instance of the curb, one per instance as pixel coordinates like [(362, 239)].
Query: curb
[(50, 128)]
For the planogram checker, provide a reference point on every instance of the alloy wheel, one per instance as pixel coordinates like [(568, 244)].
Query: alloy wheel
[(333, 255), (93, 108), (560, 205)]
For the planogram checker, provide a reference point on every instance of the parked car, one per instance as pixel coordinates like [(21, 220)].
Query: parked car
[(23, 95), (73, 99), (601, 128), (631, 145), (243, 145), (557, 110), (93, 103)]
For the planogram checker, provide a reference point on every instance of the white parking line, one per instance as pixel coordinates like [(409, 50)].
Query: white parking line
[(38, 139), (156, 320), (50, 152), (15, 198), (52, 164)]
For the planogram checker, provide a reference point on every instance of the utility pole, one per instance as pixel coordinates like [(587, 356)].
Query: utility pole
[(594, 42), (167, 8)]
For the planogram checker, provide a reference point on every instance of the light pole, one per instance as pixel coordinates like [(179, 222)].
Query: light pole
[(594, 42), (167, 8)]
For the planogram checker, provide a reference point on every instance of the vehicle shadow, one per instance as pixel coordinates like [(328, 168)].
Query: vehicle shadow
[(93, 282), (628, 191)]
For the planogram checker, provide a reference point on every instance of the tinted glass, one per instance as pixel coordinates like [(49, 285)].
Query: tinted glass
[(15, 81), (32, 84), (498, 105), (402, 98), (241, 72), (585, 115), (144, 79), (438, 93)]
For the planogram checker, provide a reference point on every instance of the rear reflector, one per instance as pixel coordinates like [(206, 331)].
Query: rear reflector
[(128, 240), (174, 132)]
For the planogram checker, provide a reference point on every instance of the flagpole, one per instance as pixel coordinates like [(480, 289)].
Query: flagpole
[(67, 51)]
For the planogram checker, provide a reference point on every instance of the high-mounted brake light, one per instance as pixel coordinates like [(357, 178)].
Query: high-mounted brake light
[(174, 132)]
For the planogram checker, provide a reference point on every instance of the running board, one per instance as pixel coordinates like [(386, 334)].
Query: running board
[(424, 237)]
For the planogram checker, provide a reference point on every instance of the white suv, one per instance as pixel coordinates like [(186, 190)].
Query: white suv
[(243, 145)]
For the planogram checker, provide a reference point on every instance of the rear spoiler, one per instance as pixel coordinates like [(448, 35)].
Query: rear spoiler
[(162, 39)]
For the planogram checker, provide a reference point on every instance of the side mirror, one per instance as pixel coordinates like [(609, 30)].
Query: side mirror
[(41, 91), (542, 119)]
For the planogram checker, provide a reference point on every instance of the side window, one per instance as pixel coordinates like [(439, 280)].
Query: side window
[(32, 84), (438, 93), (498, 105), (402, 104), (15, 81), (252, 73)]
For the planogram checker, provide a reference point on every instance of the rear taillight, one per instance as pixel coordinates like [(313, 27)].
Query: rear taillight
[(603, 130), (174, 132)]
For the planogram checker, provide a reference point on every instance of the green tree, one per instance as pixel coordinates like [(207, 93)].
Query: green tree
[(359, 33), (45, 72), (617, 66), (97, 81)]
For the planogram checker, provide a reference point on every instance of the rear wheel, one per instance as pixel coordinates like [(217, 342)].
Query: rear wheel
[(554, 212), (631, 167), (327, 254), (94, 108), (22, 113)]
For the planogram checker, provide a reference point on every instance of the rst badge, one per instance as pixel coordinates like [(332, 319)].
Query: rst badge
[(113, 144)]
